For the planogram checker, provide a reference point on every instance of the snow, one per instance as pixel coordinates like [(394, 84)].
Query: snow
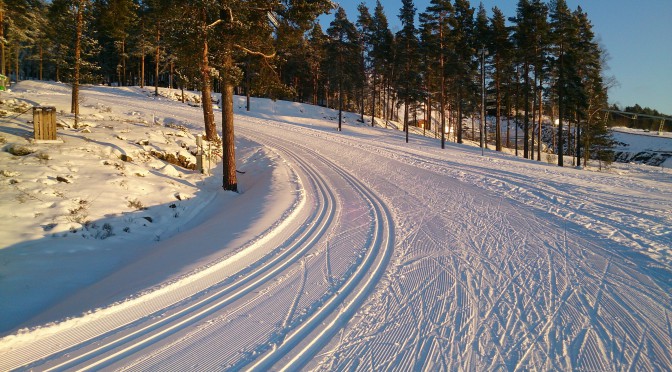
[(344, 250)]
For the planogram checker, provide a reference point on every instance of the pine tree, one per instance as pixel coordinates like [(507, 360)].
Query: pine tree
[(315, 59), (408, 80), (19, 28), (463, 64), (528, 36), (382, 55), (118, 18), (595, 141), (438, 21), (343, 57), (482, 35), (501, 53), (245, 28), (564, 36), (365, 37)]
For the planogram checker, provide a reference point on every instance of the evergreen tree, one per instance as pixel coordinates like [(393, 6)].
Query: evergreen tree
[(529, 35), (564, 35), (408, 80), (342, 57), (483, 40), (245, 29), (501, 53), (382, 55), (438, 20), (117, 20), (19, 27), (464, 63), (596, 140), (315, 58), (366, 31)]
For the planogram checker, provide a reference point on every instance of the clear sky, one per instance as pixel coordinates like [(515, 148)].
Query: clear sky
[(636, 34)]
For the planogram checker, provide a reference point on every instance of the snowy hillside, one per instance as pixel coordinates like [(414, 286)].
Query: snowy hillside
[(344, 250)]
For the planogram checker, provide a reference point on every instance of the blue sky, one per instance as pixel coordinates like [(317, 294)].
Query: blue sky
[(637, 35)]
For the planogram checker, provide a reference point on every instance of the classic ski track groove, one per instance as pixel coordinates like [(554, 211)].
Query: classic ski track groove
[(351, 294)]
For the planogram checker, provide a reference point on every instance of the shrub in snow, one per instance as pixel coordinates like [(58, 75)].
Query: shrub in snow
[(136, 204)]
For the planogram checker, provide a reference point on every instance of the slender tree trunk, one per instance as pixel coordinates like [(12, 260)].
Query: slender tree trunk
[(2, 37), (248, 82), (442, 101), (206, 83), (41, 62), (156, 65), (170, 77), (16, 64), (142, 70), (534, 116), (78, 53), (498, 119), (578, 144), (526, 119), (124, 81), (541, 112), (373, 100), (229, 181), (561, 109), (458, 125), (406, 118), (340, 102)]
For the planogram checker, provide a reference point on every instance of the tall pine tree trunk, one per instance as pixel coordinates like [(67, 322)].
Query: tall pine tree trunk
[(526, 119), (442, 101), (561, 110), (156, 65), (142, 70), (373, 100), (41, 62), (206, 98), (541, 112), (2, 37), (16, 64), (458, 125), (229, 181), (78, 53)]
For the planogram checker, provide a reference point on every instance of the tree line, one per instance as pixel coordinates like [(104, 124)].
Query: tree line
[(541, 62)]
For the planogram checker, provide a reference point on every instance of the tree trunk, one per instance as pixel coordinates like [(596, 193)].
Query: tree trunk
[(373, 101), (206, 89), (74, 109), (2, 37), (142, 69), (561, 111), (41, 62), (230, 183), (442, 102), (526, 119), (406, 119), (248, 83), (534, 115), (458, 125), (16, 64), (498, 119), (124, 81), (541, 112), (156, 65)]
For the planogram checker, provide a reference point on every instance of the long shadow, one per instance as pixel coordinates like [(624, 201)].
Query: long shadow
[(69, 273)]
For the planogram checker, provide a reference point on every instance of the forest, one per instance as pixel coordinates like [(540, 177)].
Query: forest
[(540, 70)]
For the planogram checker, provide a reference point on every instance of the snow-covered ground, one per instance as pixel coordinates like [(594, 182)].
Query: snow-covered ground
[(344, 249)]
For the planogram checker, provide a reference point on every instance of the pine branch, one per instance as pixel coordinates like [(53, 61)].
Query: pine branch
[(254, 53)]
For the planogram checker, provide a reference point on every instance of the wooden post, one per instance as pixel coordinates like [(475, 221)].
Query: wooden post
[(44, 123)]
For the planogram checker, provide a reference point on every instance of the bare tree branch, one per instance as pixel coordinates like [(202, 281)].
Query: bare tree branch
[(254, 53)]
